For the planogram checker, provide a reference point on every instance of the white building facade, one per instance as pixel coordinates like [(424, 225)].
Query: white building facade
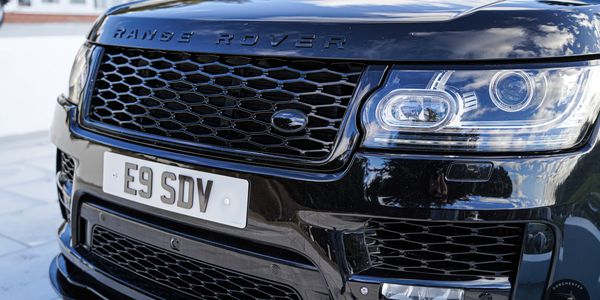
[(60, 7)]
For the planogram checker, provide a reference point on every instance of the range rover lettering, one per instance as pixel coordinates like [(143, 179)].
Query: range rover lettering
[(339, 149)]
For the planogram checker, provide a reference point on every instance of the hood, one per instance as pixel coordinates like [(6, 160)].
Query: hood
[(358, 11), (371, 30)]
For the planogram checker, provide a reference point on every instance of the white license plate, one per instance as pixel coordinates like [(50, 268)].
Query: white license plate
[(207, 196)]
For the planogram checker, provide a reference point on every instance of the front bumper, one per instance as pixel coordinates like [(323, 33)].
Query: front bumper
[(304, 215), (74, 278)]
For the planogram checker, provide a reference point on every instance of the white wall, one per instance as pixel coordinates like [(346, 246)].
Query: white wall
[(34, 70), (88, 7)]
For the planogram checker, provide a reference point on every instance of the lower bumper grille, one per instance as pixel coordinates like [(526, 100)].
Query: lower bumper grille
[(65, 168), (66, 165), (194, 279), (443, 250)]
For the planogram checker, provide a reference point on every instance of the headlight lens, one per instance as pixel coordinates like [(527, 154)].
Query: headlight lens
[(418, 109), (79, 73), (483, 110)]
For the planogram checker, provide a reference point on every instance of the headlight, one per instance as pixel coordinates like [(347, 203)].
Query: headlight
[(79, 73), (483, 110)]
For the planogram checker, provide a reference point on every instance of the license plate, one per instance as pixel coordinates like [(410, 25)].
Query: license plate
[(207, 196)]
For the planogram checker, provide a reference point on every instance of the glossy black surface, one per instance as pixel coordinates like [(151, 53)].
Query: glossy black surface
[(400, 30), (302, 211), (311, 10), (545, 188), (196, 260), (2, 13), (158, 100), (453, 251)]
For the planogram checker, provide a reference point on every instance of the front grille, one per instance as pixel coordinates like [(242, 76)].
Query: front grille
[(223, 102), (66, 165), (443, 250), (179, 274)]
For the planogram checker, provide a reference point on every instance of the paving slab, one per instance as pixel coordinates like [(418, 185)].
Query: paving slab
[(25, 154), (24, 274), (12, 203), (8, 246), (46, 163), (19, 173), (29, 216), (33, 226), (42, 189)]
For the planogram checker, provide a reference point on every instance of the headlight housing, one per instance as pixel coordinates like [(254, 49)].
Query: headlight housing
[(469, 109), (79, 73)]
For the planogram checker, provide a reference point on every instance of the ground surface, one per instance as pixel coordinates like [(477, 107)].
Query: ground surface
[(29, 216), (35, 61)]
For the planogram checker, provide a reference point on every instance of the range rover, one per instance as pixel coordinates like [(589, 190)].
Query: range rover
[(332, 149)]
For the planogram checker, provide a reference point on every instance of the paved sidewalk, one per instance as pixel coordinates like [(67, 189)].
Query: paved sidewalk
[(29, 216)]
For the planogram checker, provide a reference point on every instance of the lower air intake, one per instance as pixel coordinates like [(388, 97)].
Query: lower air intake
[(443, 250), (155, 269)]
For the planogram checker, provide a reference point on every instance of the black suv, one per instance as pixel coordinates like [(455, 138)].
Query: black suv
[(332, 149), (2, 3)]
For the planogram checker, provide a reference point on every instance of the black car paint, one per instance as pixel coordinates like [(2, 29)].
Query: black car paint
[(504, 30), (2, 12), (558, 189)]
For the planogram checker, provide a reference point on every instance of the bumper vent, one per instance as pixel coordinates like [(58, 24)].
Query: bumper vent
[(222, 102), (66, 165), (443, 250), (65, 168), (179, 274)]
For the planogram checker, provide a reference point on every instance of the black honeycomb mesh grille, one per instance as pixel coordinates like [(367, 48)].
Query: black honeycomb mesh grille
[(66, 165), (183, 275), (444, 250), (223, 101)]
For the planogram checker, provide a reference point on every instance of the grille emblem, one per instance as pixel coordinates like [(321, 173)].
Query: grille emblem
[(289, 120)]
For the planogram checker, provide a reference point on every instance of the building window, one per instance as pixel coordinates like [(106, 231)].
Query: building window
[(24, 2), (78, 1), (50, 1)]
